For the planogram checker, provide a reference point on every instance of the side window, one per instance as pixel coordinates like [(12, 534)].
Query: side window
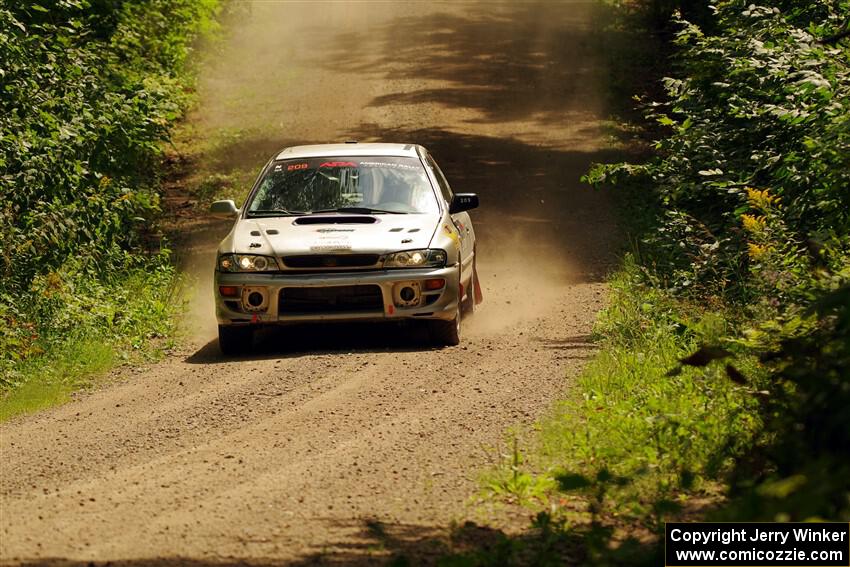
[(441, 180)]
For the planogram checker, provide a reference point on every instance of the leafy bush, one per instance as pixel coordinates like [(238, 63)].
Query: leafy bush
[(89, 91), (95, 324), (751, 181), (761, 104), (804, 442)]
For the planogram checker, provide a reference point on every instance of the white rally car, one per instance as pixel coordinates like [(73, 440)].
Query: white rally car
[(345, 232)]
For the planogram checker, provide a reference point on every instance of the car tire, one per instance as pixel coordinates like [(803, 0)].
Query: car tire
[(235, 340), (446, 333)]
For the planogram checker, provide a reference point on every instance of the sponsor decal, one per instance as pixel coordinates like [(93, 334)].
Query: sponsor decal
[(338, 164), (331, 244), (452, 234), (388, 165)]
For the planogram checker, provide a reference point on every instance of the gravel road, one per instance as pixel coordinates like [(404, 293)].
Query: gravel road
[(345, 444)]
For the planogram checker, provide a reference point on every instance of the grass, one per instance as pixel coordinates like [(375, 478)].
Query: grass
[(639, 438), (94, 327), (51, 380), (215, 174), (656, 426), (512, 482)]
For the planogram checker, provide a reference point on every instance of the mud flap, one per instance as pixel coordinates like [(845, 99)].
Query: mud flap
[(479, 295)]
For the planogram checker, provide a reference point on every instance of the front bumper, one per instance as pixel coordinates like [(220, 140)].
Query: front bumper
[(235, 311)]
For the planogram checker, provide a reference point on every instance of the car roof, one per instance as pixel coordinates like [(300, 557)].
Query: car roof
[(349, 149)]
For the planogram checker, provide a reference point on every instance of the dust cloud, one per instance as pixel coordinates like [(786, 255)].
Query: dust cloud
[(505, 96), (522, 282), (200, 320)]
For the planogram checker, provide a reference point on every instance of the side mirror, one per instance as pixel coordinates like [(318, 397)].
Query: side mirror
[(463, 202), (224, 209)]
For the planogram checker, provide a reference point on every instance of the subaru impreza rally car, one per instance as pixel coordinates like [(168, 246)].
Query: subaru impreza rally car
[(347, 232)]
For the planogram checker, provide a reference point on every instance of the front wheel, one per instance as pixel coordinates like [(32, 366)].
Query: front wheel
[(446, 333), (235, 340)]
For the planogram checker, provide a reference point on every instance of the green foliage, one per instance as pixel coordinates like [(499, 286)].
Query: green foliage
[(640, 429), (81, 124), (513, 483), (725, 346), (216, 186), (751, 181), (807, 428), (759, 104), (646, 429), (95, 325), (89, 89), (652, 16)]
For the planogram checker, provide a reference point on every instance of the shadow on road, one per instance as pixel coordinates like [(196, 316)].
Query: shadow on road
[(508, 62), (378, 543), (297, 340), (400, 545)]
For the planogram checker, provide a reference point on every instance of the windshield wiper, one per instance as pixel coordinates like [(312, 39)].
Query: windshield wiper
[(274, 213), (359, 211)]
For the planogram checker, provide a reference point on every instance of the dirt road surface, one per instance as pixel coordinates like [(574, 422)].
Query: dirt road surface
[(345, 445)]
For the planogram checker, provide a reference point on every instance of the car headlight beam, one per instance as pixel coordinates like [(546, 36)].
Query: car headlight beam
[(424, 258)]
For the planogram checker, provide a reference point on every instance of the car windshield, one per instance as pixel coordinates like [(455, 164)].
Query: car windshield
[(379, 185)]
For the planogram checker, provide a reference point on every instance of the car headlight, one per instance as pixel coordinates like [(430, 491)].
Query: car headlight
[(247, 263), (426, 258)]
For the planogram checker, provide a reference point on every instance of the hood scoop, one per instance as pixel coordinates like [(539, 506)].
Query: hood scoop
[(336, 219)]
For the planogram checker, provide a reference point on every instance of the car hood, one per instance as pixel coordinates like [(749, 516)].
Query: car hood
[(323, 233)]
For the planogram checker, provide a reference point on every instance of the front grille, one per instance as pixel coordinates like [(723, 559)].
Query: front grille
[(336, 299), (331, 261)]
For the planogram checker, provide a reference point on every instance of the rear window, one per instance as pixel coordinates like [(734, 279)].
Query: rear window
[(381, 184)]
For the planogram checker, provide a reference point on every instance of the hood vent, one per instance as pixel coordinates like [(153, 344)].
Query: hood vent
[(336, 219)]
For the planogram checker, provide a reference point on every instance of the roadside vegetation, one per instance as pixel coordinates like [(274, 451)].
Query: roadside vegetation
[(723, 377), (90, 91)]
